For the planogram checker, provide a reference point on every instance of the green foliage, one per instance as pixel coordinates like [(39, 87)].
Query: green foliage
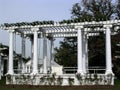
[(67, 52), (9, 78), (71, 81), (79, 78), (97, 50), (93, 10), (59, 80), (109, 78), (51, 80)]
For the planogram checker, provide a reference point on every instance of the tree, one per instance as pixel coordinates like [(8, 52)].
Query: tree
[(116, 54), (93, 10), (89, 10), (118, 9), (66, 54), (96, 45)]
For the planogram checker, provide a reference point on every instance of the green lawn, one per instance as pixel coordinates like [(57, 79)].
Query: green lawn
[(117, 84), (29, 87)]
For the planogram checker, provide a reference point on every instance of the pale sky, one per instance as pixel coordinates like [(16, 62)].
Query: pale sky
[(32, 10), (12, 11)]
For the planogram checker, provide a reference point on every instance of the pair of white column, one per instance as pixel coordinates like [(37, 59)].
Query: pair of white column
[(82, 51), (11, 47), (34, 53), (81, 60), (35, 57)]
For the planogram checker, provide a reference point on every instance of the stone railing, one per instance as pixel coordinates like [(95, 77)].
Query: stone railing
[(65, 79)]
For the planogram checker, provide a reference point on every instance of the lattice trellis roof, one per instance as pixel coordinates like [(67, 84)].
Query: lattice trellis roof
[(61, 30)]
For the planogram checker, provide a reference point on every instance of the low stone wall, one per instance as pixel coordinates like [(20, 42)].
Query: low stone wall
[(65, 79)]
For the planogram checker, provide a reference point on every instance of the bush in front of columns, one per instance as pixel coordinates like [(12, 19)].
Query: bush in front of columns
[(59, 80), (9, 79), (33, 79), (94, 79), (109, 78), (79, 78), (51, 79), (71, 81)]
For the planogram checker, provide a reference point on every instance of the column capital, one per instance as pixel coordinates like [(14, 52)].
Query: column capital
[(23, 35), (11, 31), (79, 27), (108, 26), (35, 29)]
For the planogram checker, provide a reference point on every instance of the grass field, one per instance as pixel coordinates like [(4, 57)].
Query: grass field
[(30, 87)]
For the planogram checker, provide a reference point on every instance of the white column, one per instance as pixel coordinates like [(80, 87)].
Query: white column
[(83, 52), (2, 67), (79, 53), (23, 54), (86, 53), (19, 66), (108, 50), (29, 69), (10, 61), (52, 49), (23, 45), (44, 55), (35, 53), (32, 50), (51, 52)]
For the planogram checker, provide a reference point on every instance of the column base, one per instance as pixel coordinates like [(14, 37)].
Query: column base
[(45, 71), (34, 72), (23, 71), (45, 65), (109, 72), (10, 72), (80, 72)]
